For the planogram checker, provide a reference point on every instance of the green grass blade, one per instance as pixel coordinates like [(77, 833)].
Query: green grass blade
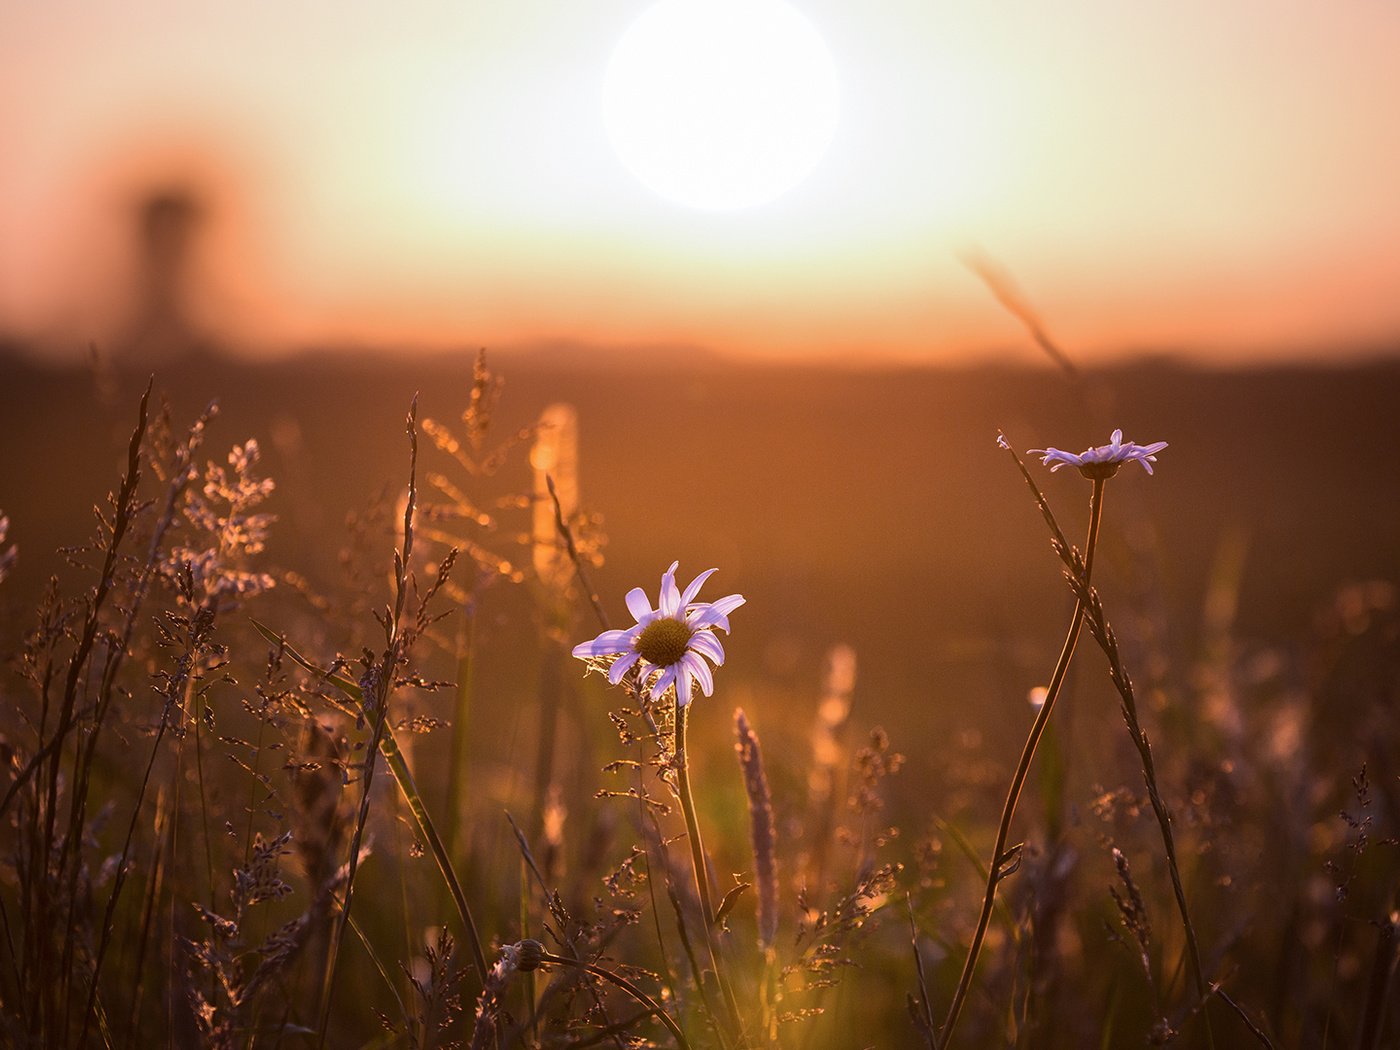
[(403, 776)]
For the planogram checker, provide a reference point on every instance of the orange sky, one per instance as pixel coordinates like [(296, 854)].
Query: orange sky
[(1222, 178)]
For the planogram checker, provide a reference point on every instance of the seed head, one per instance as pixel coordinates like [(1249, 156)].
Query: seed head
[(664, 641)]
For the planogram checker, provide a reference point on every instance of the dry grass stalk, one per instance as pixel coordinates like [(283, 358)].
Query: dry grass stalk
[(761, 828), (554, 457)]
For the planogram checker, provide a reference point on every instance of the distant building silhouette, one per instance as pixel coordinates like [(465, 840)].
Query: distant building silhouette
[(168, 223)]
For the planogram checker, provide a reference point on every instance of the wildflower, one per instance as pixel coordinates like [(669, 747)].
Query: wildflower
[(670, 643), (1103, 461)]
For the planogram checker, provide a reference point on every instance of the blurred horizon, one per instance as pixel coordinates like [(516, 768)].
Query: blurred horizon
[(1210, 181), (828, 497)]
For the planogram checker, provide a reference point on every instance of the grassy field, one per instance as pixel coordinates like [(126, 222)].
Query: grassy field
[(190, 800)]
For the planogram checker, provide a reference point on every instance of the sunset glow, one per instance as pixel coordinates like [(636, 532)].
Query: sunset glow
[(721, 105), (1212, 179)]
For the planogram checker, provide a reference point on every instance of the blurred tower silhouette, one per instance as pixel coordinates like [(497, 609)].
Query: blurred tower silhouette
[(168, 223)]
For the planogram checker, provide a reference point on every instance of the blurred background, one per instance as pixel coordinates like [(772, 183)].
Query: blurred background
[(312, 212), (1201, 179)]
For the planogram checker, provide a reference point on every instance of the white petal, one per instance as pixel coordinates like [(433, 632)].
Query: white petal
[(683, 689), (670, 603), (1116, 438), (706, 643), (706, 615), (621, 666), (664, 679), (637, 603), (728, 603), (609, 643), (690, 592), (694, 666)]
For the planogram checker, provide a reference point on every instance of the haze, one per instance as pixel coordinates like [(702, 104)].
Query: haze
[(1217, 180)]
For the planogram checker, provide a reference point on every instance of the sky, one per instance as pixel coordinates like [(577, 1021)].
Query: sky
[(1218, 179)]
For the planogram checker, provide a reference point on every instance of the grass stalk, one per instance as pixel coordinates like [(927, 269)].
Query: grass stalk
[(403, 777), (461, 720), (548, 694), (382, 675), (1005, 861), (652, 1006), (1382, 971), (697, 859), (529, 867), (1090, 607), (1089, 600), (380, 716), (161, 827)]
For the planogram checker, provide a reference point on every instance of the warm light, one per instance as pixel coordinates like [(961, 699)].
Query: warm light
[(721, 104)]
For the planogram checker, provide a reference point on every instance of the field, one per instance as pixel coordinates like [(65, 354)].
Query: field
[(190, 800)]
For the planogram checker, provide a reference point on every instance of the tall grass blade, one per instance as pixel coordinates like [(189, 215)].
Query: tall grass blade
[(403, 776)]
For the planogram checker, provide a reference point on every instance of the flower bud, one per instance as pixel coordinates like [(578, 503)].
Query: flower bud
[(531, 955)]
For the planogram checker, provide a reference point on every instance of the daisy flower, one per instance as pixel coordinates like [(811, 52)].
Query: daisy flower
[(668, 644), (1103, 461)]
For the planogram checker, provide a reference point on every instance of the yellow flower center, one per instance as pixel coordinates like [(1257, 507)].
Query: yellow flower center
[(664, 641)]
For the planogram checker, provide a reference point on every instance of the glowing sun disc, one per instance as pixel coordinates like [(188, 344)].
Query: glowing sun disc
[(721, 104)]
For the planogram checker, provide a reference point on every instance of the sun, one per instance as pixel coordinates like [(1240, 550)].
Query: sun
[(721, 104)]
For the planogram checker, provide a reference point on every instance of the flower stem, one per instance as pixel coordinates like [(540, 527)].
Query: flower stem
[(1098, 626), (1002, 860), (627, 986), (697, 859)]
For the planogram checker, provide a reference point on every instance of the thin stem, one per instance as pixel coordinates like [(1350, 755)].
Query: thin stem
[(403, 776), (1002, 861), (395, 651), (1159, 810), (1118, 674), (627, 986), (461, 744), (1121, 681), (549, 689), (692, 825), (383, 692), (697, 859), (1088, 600), (568, 536)]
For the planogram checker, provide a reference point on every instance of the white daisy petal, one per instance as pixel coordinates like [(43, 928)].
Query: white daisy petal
[(683, 689), (702, 616), (666, 678), (706, 643), (729, 603), (609, 643), (622, 666), (637, 603), (690, 592), (694, 666), (670, 603)]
